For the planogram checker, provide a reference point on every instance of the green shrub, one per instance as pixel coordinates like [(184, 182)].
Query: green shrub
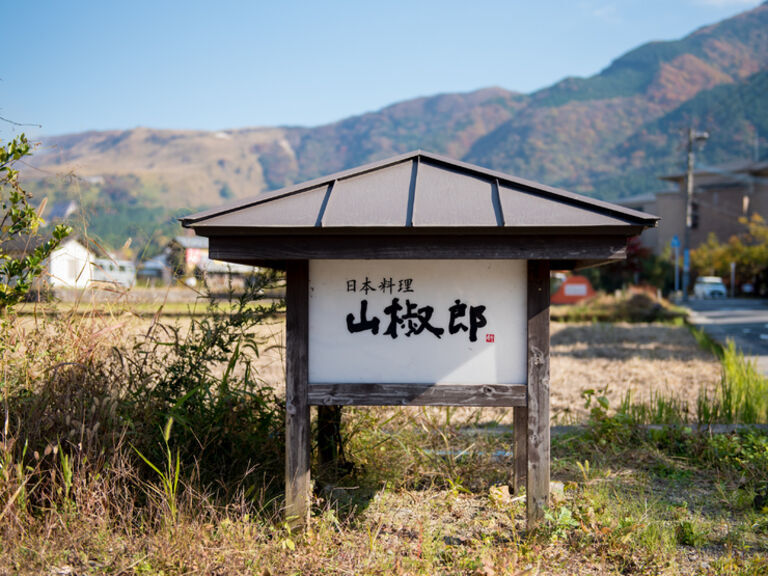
[(689, 534), (227, 422), (626, 306), (22, 255)]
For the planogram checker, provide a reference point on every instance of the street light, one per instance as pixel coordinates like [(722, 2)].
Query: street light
[(694, 136)]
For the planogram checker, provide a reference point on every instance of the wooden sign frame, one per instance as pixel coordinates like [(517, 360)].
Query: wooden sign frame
[(530, 402), (422, 206)]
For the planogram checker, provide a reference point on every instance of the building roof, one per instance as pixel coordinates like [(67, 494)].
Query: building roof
[(218, 267), (638, 199), (737, 172), (417, 190), (24, 244)]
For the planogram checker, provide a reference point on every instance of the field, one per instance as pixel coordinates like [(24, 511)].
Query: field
[(95, 479), (617, 359)]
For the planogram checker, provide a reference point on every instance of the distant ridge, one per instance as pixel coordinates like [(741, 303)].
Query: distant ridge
[(608, 135)]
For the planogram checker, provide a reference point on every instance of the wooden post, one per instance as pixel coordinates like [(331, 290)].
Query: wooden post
[(329, 438), (297, 446), (537, 491), (520, 447)]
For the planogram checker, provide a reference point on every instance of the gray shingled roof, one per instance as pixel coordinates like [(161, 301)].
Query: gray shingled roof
[(418, 190), (744, 169)]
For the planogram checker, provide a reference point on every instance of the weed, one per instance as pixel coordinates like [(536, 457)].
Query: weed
[(228, 424), (560, 521), (65, 461), (604, 427), (77, 499), (742, 396), (688, 533), (740, 565), (169, 475)]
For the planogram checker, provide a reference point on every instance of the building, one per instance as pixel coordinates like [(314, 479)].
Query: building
[(60, 212), (154, 271), (188, 256), (723, 195), (71, 265), (116, 272)]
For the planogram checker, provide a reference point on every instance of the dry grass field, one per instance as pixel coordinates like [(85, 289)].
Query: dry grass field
[(619, 359), (422, 491), (611, 359)]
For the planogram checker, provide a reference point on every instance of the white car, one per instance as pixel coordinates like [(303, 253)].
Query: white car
[(709, 287)]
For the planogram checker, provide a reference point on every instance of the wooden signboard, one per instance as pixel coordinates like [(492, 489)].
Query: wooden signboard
[(419, 280), (500, 359)]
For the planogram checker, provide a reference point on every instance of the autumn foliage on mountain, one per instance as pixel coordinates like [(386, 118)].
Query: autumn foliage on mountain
[(609, 136)]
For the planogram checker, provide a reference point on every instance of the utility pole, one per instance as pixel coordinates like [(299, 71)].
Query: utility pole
[(694, 136), (675, 243)]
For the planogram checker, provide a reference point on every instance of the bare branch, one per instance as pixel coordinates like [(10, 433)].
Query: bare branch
[(20, 123)]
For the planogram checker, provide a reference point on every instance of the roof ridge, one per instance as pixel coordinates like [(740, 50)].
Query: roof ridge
[(419, 155)]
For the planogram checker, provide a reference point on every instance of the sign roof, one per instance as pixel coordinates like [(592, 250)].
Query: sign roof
[(419, 190)]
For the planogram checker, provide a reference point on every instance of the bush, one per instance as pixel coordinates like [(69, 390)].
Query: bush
[(22, 257), (634, 305), (640, 267)]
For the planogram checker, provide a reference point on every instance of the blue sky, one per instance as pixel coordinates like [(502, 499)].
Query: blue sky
[(76, 65)]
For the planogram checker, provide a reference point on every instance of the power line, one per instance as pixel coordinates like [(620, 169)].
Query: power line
[(22, 124)]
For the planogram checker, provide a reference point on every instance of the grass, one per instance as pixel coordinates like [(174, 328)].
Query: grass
[(93, 480), (198, 308), (743, 391), (168, 476), (672, 503), (742, 396)]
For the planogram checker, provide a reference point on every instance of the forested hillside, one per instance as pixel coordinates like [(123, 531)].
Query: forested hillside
[(610, 135)]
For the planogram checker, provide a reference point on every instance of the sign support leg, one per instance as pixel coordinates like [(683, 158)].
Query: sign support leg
[(520, 447), (297, 439), (537, 491), (329, 438)]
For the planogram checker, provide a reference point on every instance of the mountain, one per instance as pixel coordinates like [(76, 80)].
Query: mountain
[(573, 134), (196, 168), (609, 135)]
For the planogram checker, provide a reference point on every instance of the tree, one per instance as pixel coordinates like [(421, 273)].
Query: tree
[(641, 266), (749, 251), (18, 229)]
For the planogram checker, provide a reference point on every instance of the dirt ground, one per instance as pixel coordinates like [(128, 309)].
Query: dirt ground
[(614, 359)]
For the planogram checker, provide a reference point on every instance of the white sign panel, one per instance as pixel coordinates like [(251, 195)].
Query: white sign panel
[(417, 321)]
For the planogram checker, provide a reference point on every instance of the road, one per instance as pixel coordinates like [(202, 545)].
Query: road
[(745, 321)]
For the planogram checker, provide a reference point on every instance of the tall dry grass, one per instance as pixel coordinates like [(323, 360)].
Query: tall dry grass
[(84, 403)]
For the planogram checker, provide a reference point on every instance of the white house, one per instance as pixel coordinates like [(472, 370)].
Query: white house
[(113, 271), (71, 265)]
